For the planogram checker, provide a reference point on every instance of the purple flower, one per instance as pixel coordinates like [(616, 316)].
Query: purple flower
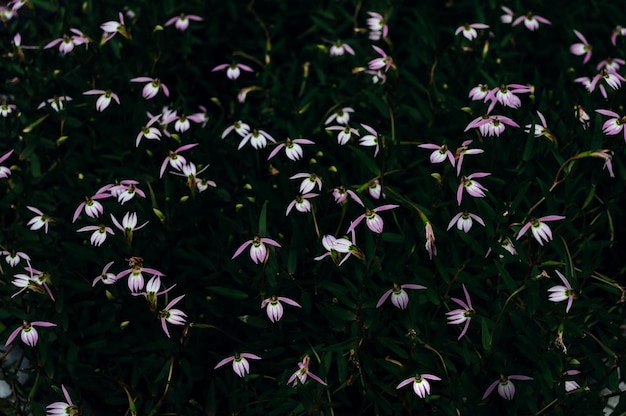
[(258, 251), (28, 333), (421, 386), (241, 367), (539, 228), (440, 154), (372, 219), (583, 48), (399, 297), (105, 98), (613, 125), (152, 88), (458, 316), (506, 389), (385, 61), (302, 373), (172, 316), (182, 22), (472, 187), (275, 308), (561, 293)]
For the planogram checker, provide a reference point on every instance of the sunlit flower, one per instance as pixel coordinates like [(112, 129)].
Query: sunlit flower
[(182, 22), (583, 48), (345, 133), (373, 221), (28, 333), (506, 389), (531, 21), (464, 221), (541, 231), (275, 308), (562, 293), (152, 88), (258, 250), (172, 316), (38, 221), (105, 98), (341, 116), (472, 187), (399, 297), (233, 70), (292, 147), (463, 315), (421, 386), (63, 408), (241, 367), (303, 372), (469, 31)]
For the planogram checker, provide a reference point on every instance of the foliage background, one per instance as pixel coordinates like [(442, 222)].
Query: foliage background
[(109, 349)]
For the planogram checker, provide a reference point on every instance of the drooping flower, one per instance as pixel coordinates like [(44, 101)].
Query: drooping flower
[(491, 125), (541, 231), (175, 160), (607, 155), (28, 333), (239, 127), (583, 48), (540, 130), (399, 297), (105, 98), (430, 240), (310, 180), (469, 31), (292, 147), (613, 125), (241, 367), (345, 133), (421, 386), (440, 154), (385, 61), (92, 207), (472, 187), (126, 190), (56, 103), (182, 22), (149, 132), (371, 139), (571, 385), (135, 273), (63, 408), (4, 171), (301, 203), (13, 258), (172, 316), (377, 26), (339, 48), (341, 116), (38, 221), (303, 372), (506, 389), (562, 293), (582, 116), (505, 95), (152, 88), (507, 17), (459, 316), (35, 280), (112, 27), (463, 221), (336, 247), (106, 277), (258, 139), (611, 64), (99, 234), (531, 21), (617, 31), (233, 70), (375, 190), (6, 109), (460, 153), (372, 219), (341, 195), (258, 250), (67, 43), (275, 308), (479, 92)]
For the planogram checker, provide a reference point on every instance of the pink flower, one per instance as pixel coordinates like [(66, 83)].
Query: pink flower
[(56, 103), (92, 207), (463, 221), (67, 43), (182, 22), (172, 316), (105, 98), (571, 385), (531, 21), (241, 367), (491, 125), (232, 70), (338, 246), (506, 389), (375, 190), (13, 258), (479, 92), (561, 293), (149, 132), (99, 235), (106, 277), (617, 31), (377, 25), (38, 221), (421, 386), (63, 408), (469, 31), (310, 181), (152, 88), (371, 139), (258, 251), (385, 61), (472, 187), (507, 17), (605, 76), (430, 240), (610, 64), (239, 127), (35, 280), (339, 48), (345, 133), (341, 196), (175, 160), (540, 130), (458, 316), (505, 95), (292, 148), (399, 297), (462, 151), (126, 190), (372, 219), (128, 225), (607, 155), (301, 203), (28, 333), (539, 228), (258, 139), (440, 153), (302, 373), (275, 308), (6, 109), (613, 125), (583, 48), (341, 116), (4, 171)]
